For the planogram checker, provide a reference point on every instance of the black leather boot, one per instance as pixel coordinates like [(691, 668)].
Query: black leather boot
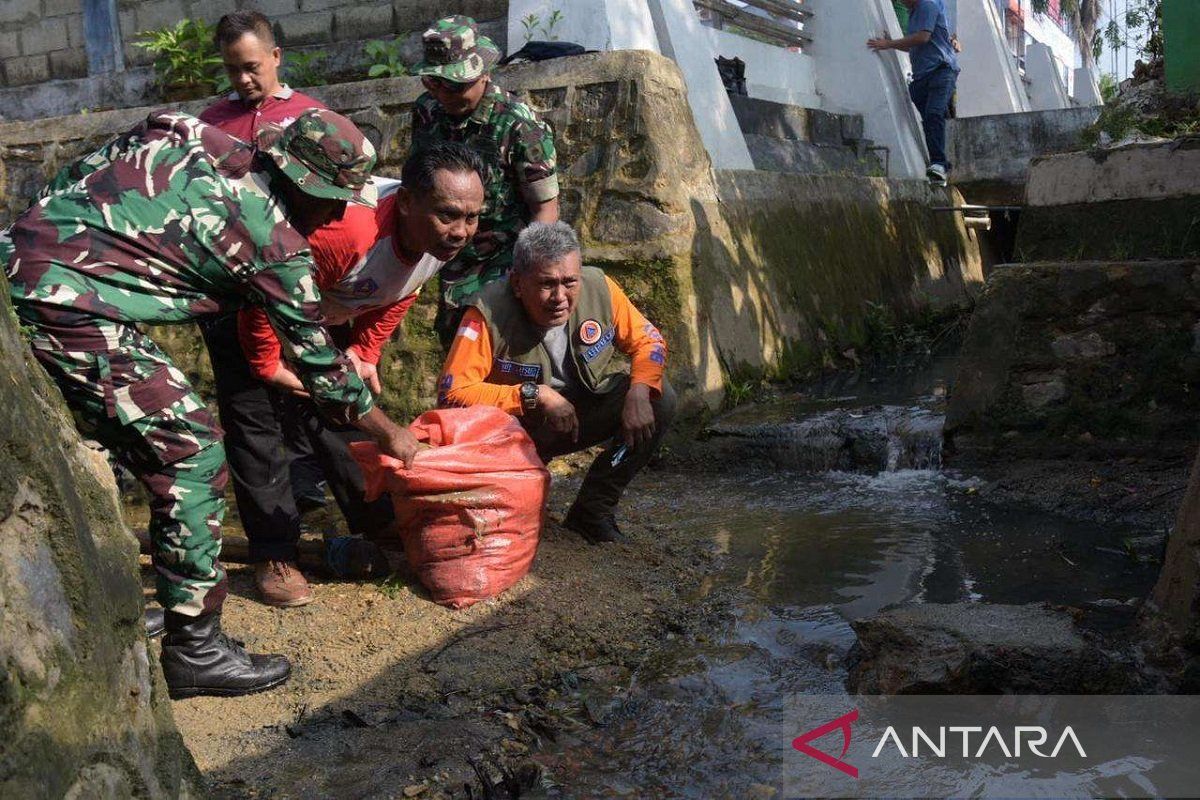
[(595, 528), (155, 623), (198, 659)]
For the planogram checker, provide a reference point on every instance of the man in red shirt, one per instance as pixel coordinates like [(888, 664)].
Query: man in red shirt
[(369, 266), (252, 61)]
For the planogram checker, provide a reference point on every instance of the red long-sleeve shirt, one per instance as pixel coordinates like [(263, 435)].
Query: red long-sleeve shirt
[(362, 280)]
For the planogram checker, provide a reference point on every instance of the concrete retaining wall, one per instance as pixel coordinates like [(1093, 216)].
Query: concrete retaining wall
[(992, 154), (746, 272), (1136, 202), (792, 265)]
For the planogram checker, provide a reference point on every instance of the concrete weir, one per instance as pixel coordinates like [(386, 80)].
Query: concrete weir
[(749, 273)]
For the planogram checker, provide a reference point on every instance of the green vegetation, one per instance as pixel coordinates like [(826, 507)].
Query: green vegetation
[(1108, 88), (738, 392), (186, 61), (1173, 116), (384, 59), (534, 24), (302, 69)]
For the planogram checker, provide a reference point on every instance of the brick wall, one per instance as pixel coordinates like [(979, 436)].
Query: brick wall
[(303, 22), (42, 40)]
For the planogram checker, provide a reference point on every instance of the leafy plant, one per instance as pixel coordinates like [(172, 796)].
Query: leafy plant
[(738, 391), (1108, 88), (384, 55), (305, 68), (185, 57), (533, 24)]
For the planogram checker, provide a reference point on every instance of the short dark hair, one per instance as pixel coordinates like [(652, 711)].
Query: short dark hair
[(236, 24), (417, 174)]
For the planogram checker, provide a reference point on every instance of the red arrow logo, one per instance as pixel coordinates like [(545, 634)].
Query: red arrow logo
[(843, 723)]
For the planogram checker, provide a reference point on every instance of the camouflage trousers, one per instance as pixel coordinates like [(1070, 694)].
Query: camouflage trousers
[(125, 393)]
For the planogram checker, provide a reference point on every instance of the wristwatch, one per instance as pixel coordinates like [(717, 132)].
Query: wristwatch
[(529, 396)]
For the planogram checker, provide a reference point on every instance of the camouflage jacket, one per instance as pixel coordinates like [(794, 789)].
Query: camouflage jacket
[(518, 151), (169, 222)]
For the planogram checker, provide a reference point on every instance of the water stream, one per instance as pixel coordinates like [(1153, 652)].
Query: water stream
[(804, 550)]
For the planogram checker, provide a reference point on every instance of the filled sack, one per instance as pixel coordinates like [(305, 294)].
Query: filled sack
[(472, 506)]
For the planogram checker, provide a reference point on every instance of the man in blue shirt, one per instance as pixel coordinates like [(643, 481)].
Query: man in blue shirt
[(935, 71)]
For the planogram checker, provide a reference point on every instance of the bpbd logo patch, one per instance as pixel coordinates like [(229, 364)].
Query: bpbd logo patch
[(590, 331)]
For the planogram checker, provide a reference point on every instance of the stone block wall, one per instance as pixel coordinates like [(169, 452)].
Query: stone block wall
[(1081, 360), (746, 272), (41, 40), (300, 23)]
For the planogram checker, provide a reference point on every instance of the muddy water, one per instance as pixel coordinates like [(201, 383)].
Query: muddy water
[(713, 715)]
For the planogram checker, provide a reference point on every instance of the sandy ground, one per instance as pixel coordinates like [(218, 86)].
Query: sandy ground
[(395, 696)]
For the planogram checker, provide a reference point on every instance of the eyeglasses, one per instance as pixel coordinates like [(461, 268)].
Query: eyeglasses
[(433, 82)]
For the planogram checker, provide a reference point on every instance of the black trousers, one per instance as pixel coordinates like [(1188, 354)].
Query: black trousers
[(259, 421), (600, 421)]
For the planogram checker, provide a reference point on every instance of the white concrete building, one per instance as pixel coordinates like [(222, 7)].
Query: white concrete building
[(1006, 45), (831, 71)]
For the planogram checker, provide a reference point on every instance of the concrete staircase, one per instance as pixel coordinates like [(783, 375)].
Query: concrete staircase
[(806, 141)]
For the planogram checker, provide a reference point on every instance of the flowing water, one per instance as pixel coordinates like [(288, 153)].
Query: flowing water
[(804, 550)]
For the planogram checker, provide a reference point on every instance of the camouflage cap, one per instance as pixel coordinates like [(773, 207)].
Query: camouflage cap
[(454, 50), (324, 154)]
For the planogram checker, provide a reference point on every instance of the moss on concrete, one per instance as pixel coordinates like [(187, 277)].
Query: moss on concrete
[(1116, 231), (811, 267)]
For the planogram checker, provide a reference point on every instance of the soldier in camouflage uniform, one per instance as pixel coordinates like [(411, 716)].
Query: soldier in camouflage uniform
[(169, 222), (463, 104)]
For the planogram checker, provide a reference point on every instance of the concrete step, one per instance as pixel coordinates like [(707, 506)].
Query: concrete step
[(794, 139)]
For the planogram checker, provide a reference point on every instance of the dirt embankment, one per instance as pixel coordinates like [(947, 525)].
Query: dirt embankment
[(394, 696)]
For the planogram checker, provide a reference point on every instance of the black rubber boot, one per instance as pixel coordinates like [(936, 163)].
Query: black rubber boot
[(198, 659), (596, 528), (155, 622)]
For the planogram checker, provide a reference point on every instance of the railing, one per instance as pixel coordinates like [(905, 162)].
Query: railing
[(727, 16)]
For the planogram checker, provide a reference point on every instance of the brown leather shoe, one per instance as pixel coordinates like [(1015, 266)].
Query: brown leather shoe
[(281, 584)]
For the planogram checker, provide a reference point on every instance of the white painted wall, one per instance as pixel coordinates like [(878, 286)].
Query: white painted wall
[(772, 73), (1042, 30), (1046, 89), (682, 38), (990, 81), (851, 78), (670, 27), (1087, 88), (595, 24)]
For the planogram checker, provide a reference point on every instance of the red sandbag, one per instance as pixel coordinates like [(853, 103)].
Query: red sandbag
[(471, 507)]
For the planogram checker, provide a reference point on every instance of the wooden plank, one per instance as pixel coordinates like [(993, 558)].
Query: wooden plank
[(784, 8), (769, 28)]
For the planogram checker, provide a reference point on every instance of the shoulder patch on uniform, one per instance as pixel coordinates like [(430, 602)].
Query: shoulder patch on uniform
[(590, 331)]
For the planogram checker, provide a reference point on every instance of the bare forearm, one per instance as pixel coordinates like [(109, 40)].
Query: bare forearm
[(544, 212), (909, 42), (376, 424)]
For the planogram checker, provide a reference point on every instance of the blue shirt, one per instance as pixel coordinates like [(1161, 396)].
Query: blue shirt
[(930, 15)]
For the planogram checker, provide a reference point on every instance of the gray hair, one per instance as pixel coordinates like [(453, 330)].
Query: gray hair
[(543, 243)]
